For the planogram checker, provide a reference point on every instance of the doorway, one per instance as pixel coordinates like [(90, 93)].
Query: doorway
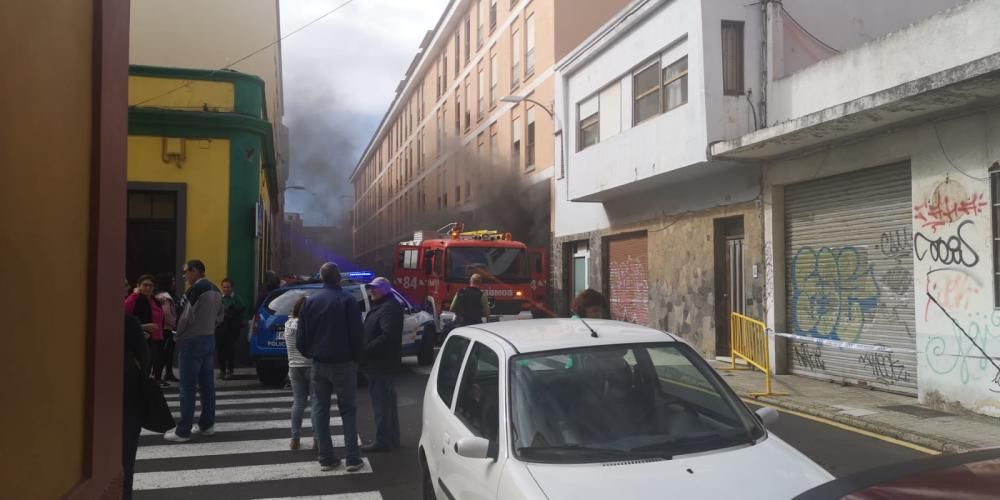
[(155, 229), (729, 289)]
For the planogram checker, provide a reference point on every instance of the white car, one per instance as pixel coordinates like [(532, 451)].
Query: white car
[(567, 409)]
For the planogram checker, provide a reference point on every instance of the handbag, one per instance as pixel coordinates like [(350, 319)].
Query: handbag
[(156, 416)]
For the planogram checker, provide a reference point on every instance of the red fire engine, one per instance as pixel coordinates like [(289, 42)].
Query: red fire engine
[(434, 266)]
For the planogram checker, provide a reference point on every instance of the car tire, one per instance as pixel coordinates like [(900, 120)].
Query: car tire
[(271, 374), (428, 486), (428, 338)]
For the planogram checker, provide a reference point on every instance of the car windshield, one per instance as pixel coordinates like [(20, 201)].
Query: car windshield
[(283, 303), (495, 265), (635, 400)]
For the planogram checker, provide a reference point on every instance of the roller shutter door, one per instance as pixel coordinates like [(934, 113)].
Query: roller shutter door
[(627, 271), (849, 277)]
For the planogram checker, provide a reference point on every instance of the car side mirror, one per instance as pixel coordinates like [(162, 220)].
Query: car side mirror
[(473, 447), (767, 415)]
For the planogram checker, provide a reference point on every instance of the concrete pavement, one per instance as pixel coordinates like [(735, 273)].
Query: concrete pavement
[(892, 415)]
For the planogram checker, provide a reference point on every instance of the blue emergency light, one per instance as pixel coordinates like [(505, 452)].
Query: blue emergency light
[(359, 276)]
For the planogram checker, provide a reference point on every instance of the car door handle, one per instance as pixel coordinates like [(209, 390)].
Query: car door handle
[(447, 443)]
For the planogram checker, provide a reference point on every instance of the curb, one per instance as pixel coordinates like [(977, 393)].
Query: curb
[(942, 445)]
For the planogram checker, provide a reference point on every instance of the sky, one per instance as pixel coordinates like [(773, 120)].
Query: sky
[(340, 76)]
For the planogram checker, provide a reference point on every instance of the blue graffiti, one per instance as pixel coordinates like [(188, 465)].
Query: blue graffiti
[(834, 293)]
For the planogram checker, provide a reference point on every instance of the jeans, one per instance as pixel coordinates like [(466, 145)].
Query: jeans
[(300, 378), (195, 360), (382, 388), (340, 379)]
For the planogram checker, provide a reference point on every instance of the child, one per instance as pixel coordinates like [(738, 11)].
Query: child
[(299, 373)]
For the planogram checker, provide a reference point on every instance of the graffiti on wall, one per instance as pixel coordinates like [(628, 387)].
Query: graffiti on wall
[(835, 294), (952, 250), (948, 202), (884, 367), (810, 357), (630, 302), (955, 288), (897, 243), (966, 350)]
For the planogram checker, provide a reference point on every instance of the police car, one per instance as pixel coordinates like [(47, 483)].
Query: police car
[(267, 343)]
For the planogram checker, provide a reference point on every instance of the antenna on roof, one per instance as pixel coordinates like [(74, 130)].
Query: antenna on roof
[(593, 333)]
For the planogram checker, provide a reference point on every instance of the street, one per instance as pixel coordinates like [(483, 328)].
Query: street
[(248, 457)]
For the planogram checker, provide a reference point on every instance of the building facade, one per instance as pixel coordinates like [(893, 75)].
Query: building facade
[(672, 234), (881, 212), (449, 148), (203, 35), (202, 174)]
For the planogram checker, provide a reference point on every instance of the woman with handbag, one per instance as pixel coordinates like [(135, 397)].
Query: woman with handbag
[(164, 294)]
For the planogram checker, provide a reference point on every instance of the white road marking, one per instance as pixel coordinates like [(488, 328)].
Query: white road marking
[(257, 425), (233, 412), (363, 495), (232, 475), (197, 449), (230, 402), (225, 394)]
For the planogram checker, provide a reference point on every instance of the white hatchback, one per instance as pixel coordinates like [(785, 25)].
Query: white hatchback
[(563, 409)]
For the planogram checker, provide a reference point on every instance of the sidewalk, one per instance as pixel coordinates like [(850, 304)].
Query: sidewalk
[(892, 415)]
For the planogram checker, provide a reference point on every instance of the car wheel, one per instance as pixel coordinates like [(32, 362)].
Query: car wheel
[(428, 486), (427, 340), (271, 375)]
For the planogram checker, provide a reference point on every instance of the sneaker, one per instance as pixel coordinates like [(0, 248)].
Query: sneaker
[(204, 432), (330, 466), (164, 383), (172, 436), (293, 444), (355, 466)]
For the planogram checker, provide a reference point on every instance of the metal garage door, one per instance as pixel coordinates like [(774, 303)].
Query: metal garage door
[(850, 277), (627, 268)]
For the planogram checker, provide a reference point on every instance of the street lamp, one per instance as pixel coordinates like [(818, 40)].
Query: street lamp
[(517, 99)]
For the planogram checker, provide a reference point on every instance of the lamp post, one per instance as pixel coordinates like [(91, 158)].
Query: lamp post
[(516, 99)]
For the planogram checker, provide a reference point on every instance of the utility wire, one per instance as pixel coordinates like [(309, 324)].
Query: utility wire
[(248, 56), (803, 28), (950, 162)]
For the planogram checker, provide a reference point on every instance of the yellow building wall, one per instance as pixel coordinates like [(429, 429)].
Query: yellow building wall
[(206, 174), (184, 95), (45, 150)]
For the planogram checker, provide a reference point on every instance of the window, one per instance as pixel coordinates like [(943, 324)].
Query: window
[(493, 143), (458, 195), (580, 277), (493, 14), (408, 259), (478, 402), (444, 200), (452, 356), (458, 52), (995, 190), (468, 107), (438, 81), (515, 58), (529, 45), (646, 92), (482, 93), (481, 18), (675, 84), (529, 141), (515, 147), (468, 190), (458, 113), (494, 74), (732, 57), (444, 72), (589, 115), (468, 38)]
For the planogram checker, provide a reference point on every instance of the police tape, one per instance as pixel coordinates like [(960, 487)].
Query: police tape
[(840, 344)]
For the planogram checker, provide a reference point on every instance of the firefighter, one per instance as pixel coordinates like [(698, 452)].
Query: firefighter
[(470, 303)]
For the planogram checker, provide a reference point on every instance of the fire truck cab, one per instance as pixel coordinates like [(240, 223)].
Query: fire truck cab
[(433, 267)]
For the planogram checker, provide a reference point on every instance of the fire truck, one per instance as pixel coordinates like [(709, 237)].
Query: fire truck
[(435, 265)]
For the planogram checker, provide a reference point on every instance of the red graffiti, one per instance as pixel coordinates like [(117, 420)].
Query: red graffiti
[(942, 209)]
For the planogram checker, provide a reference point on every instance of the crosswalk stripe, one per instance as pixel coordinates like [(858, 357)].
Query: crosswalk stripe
[(256, 425), (362, 495), (231, 412), (231, 475), (233, 394), (197, 449), (231, 402)]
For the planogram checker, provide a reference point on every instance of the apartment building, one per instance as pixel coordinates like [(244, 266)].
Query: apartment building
[(449, 147)]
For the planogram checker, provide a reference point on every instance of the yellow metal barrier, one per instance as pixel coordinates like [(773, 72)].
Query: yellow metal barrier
[(748, 341)]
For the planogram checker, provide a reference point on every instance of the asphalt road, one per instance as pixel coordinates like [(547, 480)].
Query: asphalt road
[(249, 458)]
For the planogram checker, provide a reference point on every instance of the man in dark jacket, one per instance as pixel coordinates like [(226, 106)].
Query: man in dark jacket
[(331, 335), (383, 343), (470, 303)]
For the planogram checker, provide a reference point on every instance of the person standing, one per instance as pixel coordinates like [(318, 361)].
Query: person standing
[(330, 333), (589, 304), (299, 373), (228, 332), (201, 314), (269, 283), (146, 309), (136, 365), (164, 295), (470, 303), (383, 345)]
